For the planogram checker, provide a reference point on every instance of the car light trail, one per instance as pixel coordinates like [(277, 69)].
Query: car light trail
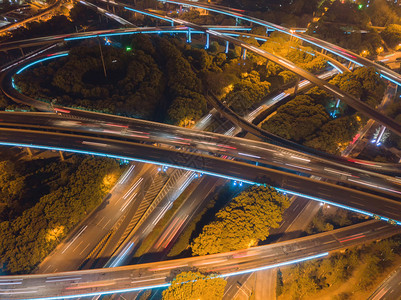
[(128, 202), (291, 262), (134, 186), (300, 158), (249, 155), (74, 239), (352, 237), (195, 170), (125, 176), (337, 172), (374, 186), (39, 61), (299, 167)]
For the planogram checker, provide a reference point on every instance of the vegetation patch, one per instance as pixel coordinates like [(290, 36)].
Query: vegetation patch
[(195, 285), (243, 222), (347, 275), (59, 196)]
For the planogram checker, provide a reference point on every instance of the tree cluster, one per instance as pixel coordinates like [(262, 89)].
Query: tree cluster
[(76, 192), (184, 87), (248, 91), (392, 35), (349, 25), (244, 222), (79, 15), (195, 285), (157, 80), (308, 278)]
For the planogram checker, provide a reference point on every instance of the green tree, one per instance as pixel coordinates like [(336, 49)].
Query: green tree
[(334, 136), (244, 222), (392, 35), (195, 285), (297, 119)]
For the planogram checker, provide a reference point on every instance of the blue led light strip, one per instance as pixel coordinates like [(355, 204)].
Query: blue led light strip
[(295, 261), (195, 170), (151, 15), (264, 25), (335, 67), (39, 61)]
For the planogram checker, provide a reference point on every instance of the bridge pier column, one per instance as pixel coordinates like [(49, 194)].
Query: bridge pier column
[(207, 41), (22, 52), (351, 65), (237, 21), (243, 54), (180, 9), (29, 151), (61, 155), (227, 46), (189, 37), (297, 85)]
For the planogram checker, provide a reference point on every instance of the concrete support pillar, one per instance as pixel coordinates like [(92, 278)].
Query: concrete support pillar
[(297, 85), (237, 21), (351, 65), (227, 46), (61, 155), (189, 37), (207, 41), (180, 9), (243, 54), (29, 151), (22, 52)]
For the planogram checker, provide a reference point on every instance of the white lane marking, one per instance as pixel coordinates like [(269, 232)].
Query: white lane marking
[(83, 249), (74, 239), (73, 250), (127, 202), (134, 186), (100, 221), (106, 223)]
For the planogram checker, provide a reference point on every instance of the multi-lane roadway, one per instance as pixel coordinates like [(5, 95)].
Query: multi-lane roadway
[(359, 201), (145, 276)]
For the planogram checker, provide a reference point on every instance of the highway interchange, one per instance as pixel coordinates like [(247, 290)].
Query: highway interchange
[(198, 162)]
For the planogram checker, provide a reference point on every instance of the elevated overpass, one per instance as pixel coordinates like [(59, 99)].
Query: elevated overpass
[(76, 284), (334, 49), (101, 144), (286, 64)]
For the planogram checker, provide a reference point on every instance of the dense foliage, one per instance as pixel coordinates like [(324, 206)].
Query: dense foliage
[(195, 285), (366, 264), (392, 35), (243, 222), (352, 25), (75, 188), (80, 16), (152, 79)]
